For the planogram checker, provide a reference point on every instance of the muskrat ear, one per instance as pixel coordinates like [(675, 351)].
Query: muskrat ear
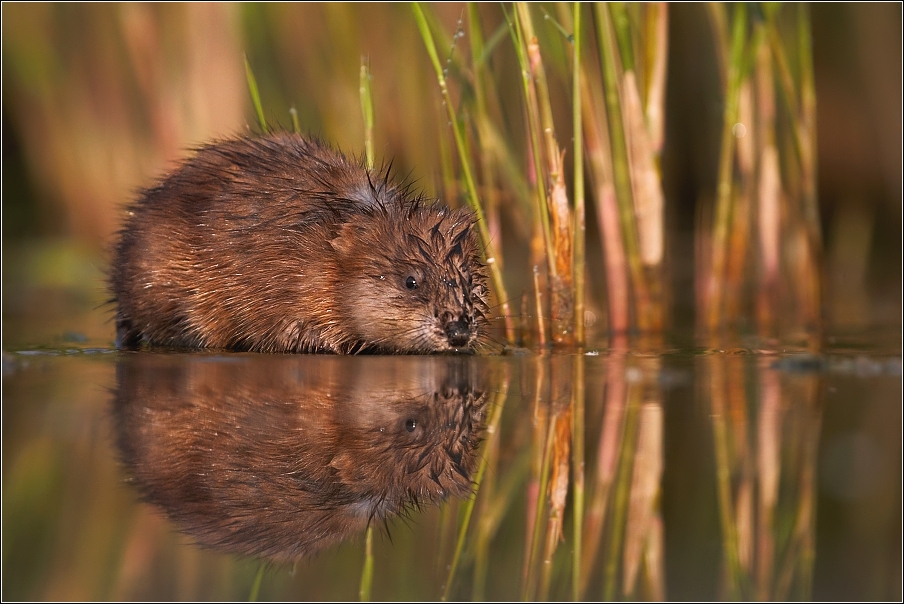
[(343, 240)]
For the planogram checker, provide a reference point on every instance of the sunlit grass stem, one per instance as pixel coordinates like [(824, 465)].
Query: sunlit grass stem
[(538, 304), (579, 228), (808, 120), (258, 578), (255, 97), (722, 218), (471, 187), (533, 127), (483, 124), (367, 109), (552, 196), (367, 573), (596, 137), (621, 170)]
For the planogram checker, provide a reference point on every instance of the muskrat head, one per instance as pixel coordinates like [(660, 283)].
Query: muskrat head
[(414, 278)]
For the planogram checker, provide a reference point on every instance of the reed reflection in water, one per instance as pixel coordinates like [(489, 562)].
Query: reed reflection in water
[(766, 426), (635, 473), (590, 472), (280, 459)]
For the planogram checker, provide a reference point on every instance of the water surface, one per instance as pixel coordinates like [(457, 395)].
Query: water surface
[(752, 470)]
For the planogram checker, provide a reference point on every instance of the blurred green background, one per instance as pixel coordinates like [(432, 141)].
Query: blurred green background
[(101, 99)]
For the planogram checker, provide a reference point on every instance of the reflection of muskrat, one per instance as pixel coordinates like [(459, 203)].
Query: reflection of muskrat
[(281, 244), (284, 457)]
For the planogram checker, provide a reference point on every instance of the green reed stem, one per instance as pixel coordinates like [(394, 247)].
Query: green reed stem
[(579, 247), (497, 405), (622, 26), (808, 112), (367, 109), (255, 97), (538, 300), (256, 586), (541, 87), (620, 167), (473, 198), (718, 21), (446, 164), (809, 167), (296, 127), (521, 28), (367, 573), (482, 121), (722, 223), (789, 90), (554, 208)]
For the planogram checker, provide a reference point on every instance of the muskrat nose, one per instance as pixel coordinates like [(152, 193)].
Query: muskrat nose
[(458, 333)]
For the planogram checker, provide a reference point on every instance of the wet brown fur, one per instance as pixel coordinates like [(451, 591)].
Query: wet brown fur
[(279, 243)]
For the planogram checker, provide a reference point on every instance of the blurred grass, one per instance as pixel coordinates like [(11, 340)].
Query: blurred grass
[(92, 117)]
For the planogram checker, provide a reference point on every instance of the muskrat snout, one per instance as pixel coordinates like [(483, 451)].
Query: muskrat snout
[(458, 332)]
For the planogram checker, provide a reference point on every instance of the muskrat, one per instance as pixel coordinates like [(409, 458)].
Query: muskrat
[(284, 457), (279, 243)]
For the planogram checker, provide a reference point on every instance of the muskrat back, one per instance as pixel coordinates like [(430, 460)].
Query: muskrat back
[(279, 243)]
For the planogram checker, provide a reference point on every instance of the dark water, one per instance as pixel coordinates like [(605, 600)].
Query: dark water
[(746, 470)]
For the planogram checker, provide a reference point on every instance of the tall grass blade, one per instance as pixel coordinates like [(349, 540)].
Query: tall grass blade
[(255, 97), (620, 167), (552, 198), (367, 573), (769, 193), (722, 220), (471, 187), (658, 47), (367, 109), (488, 142), (596, 136), (531, 104), (256, 586), (579, 228)]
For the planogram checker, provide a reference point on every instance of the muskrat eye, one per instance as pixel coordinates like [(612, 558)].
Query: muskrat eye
[(410, 424), (411, 283)]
